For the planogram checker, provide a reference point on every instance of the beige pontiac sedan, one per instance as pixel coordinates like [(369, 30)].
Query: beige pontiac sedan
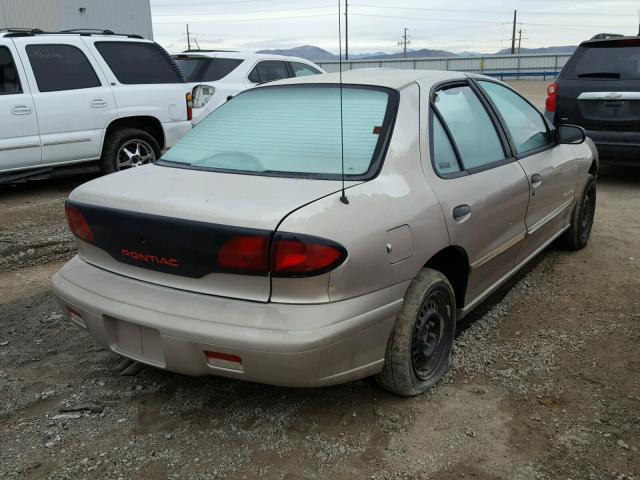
[(239, 253)]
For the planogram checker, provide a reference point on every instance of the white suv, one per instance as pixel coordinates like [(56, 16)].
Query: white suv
[(73, 97), (216, 75)]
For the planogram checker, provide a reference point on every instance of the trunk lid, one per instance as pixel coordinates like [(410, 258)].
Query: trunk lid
[(599, 105), (166, 225)]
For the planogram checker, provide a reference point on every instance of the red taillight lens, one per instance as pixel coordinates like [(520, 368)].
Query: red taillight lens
[(298, 257), (189, 106), (78, 225), (245, 253), (552, 94)]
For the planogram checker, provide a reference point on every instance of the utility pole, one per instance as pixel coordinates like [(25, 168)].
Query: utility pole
[(346, 29), (404, 42), (519, 40), (188, 38), (513, 35)]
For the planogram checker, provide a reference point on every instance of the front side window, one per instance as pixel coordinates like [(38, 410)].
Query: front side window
[(526, 127), (9, 80), (290, 131), (470, 126), (138, 63), (302, 70), (269, 71), (61, 67)]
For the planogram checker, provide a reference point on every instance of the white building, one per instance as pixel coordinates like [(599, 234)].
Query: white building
[(121, 16)]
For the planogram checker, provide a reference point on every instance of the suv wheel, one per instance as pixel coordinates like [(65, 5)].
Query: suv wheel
[(577, 236), (128, 148), (422, 339)]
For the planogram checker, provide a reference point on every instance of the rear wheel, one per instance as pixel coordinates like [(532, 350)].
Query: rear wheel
[(577, 236), (128, 148), (422, 339)]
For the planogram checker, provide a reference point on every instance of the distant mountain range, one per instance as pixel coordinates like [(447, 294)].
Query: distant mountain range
[(318, 54)]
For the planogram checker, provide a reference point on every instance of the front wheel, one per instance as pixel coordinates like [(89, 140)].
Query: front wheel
[(420, 344), (577, 236), (128, 148)]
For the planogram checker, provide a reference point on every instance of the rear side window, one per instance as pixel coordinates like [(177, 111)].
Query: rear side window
[(610, 60), (9, 80), (219, 68), (526, 127), (268, 71), (290, 131), (444, 157), (470, 125), (61, 67), (138, 63), (302, 70)]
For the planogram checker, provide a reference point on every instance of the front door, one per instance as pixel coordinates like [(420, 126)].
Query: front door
[(19, 140), (482, 191), (73, 100), (550, 168)]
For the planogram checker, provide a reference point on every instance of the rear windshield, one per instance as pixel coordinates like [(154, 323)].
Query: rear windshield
[(612, 60), (291, 131), (206, 69)]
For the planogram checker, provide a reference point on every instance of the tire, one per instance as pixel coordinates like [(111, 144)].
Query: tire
[(114, 158), (415, 360), (577, 235)]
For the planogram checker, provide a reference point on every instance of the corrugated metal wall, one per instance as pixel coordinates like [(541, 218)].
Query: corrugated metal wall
[(514, 66), (122, 16)]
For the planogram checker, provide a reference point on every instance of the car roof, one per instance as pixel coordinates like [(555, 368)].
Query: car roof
[(382, 77), (621, 40), (239, 55)]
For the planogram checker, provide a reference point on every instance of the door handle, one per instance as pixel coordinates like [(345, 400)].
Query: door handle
[(461, 213), (21, 110), (536, 180), (98, 103)]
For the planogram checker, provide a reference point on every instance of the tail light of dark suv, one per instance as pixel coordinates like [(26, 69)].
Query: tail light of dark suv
[(552, 95)]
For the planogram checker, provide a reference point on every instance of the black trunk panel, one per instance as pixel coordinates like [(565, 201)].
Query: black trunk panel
[(171, 245)]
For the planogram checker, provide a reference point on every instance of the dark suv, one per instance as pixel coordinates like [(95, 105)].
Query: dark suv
[(599, 89)]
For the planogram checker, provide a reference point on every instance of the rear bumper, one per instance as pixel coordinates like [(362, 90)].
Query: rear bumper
[(171, 329), (614, 147)]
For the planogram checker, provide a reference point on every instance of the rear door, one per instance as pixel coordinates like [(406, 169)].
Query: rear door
[(73, 101), (19, 139), (482, 191), (551, 169), (599, 88)]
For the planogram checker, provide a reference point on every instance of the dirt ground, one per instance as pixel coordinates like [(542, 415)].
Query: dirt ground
[(545, 381)]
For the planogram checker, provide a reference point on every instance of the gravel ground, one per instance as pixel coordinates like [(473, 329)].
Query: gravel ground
[(544, 381)]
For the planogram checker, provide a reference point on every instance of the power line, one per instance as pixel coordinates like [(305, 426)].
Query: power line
[(249, 19), (487, 21), (505, 12), (234, 13)]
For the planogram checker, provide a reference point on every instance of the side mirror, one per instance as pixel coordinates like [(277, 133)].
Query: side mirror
[(202, 94), (570, 134)]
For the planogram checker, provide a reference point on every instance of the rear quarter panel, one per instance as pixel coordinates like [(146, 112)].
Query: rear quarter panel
[(399, 196)]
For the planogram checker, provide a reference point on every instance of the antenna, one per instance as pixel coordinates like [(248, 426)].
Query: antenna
[(343, 197)]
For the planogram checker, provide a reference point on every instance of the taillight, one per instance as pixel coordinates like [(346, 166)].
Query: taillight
[(289, 256), (552, 95), (189, 106), (304, 256), (245, 253), (77, 224)]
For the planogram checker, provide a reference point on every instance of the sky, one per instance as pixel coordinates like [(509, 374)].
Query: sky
[(377, 25)]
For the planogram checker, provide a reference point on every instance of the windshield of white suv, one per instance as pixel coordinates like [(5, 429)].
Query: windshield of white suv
[(291, 130), (199, 69)]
